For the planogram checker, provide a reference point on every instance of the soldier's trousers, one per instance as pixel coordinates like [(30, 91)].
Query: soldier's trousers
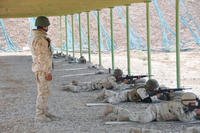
[(145, 116), (43, 93), (81, 87), (116, 97)]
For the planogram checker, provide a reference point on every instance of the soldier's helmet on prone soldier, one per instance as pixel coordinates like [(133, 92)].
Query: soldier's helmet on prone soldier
[(152, 84), (42, 21), (118, 73), (82, 60), (188, 98)]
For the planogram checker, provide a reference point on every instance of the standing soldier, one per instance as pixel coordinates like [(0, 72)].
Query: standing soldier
[(42, 67)]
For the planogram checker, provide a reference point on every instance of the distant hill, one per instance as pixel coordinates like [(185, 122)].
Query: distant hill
[(19, 29)]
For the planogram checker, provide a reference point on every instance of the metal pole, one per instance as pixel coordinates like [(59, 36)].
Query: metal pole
[(148, 38), (99, 36), (177, 45), (80, 38), (112, 37), (66, 35), (128, 39), (61, 32), (72, 18), (88, 28)]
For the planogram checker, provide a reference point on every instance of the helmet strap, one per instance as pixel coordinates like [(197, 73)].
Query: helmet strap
[(42, 28)]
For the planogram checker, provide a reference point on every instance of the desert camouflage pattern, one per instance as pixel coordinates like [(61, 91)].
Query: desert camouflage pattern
[(115, 97), (41, 52), (138, 93), (107, 83), (43, 93), (193, 129), (42, 64), (169, 111), (78, 87), (133, 94)]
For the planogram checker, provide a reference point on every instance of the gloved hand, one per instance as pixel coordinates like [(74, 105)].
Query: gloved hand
[(164, 96), (197, 111), (126, 81)]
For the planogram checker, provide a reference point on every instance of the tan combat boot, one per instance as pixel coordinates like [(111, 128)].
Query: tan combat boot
[(52, 117), (109, 109), (101, 96), (42, 118)]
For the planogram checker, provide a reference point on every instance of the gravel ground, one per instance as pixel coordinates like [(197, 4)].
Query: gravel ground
[(18, 96)]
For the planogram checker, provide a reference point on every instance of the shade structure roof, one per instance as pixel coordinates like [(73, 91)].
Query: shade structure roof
[(31, 8)]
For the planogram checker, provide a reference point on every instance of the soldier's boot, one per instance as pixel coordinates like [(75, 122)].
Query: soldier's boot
[(135, 130), (40, 111), (52, 117), (123, 118), (42, 118), (101, 96), (110, 117), (108, 96), (109, 109)]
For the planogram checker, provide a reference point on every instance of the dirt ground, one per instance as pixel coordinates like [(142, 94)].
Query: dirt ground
[(18, 93)]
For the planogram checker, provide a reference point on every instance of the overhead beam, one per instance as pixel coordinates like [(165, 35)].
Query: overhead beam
[(31, 8)]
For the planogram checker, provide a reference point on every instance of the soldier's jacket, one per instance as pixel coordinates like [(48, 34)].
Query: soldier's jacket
[(168, 111), (108, 83), (136, 93), (122, 95), (139, 94), (41, 52), (173, 111)]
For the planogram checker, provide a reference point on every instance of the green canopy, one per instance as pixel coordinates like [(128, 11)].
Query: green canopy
[(30, 8)]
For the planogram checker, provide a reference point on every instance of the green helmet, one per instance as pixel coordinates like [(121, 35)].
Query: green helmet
[(42, 21), (82, 60), (118, 73), (152, 84)]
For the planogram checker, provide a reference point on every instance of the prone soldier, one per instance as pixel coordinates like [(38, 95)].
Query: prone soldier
[(146, 93), (186, 110), (118, 73), (82, 60), (108, 83), (138, 93)]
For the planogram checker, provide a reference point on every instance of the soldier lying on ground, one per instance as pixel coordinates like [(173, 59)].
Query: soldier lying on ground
[(118, 73), (81, 60), (186, 110), (105, 83), (58, 55), (140, 92)]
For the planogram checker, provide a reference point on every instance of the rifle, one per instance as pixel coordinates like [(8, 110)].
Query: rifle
[(131, 79), (165, 92)]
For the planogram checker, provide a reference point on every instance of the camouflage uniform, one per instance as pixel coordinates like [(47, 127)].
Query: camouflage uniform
[(107, 83), (169, 111), (141, 92), (138, 93), (42, 64)]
